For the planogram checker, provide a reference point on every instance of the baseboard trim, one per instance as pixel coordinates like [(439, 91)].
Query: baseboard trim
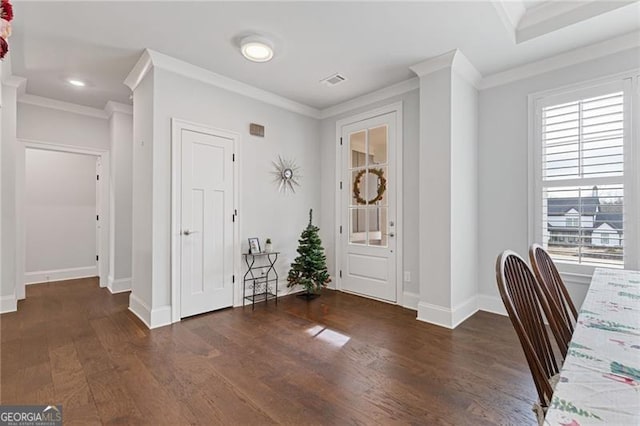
[(161, 316), (283, 290), (434, 314), (491, 304), (38, 277), (140, 309), (464, 310), (152, 318), (119, 286), (445, 317), (410, 300), (8, 304)]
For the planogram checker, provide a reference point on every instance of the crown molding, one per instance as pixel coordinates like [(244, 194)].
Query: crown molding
[(434, 64), (62, 106), (113, 106), (510, 13), (455, 60), (563, 60), (554, 15), (19, 83), (152, 59), (522, 23), (139, 70), (370, 98), (465, 69)]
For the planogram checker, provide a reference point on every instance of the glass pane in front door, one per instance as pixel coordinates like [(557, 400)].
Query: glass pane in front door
[(368, 154)]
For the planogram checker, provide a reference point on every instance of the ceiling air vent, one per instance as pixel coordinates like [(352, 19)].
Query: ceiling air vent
[(333, 80)]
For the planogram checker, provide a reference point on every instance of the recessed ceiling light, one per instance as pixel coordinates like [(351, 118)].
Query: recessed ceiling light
[(256, 49), (77, 83)]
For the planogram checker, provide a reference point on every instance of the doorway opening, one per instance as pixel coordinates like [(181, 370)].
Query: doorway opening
[(62, 219), (61, 216), (369, 204), (205, 233)]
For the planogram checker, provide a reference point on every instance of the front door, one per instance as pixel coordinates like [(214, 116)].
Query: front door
[(368, 207), (206, 230)]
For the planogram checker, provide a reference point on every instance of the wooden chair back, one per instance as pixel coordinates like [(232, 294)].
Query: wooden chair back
[(525, 304), (562, 308)]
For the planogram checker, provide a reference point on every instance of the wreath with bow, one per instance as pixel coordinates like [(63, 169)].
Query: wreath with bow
[(382, 186)]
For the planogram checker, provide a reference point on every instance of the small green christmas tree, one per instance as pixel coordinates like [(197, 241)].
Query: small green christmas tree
[(310, 267)]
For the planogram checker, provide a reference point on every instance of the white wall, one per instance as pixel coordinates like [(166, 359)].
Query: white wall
[(62, 127), (8, 147), (464, 192), (60, 215), (448, 194), (503, 163), (263, 212), (435, 194), (410, 130), (142, 203), (121, 150)]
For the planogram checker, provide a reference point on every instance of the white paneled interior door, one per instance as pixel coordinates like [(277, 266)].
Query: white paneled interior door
[(207, 234), (368, 208)]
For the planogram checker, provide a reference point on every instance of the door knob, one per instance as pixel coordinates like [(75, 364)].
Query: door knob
[(391, 234), (188, 232)]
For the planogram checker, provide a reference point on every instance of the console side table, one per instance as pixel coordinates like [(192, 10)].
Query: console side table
[(261, 279)]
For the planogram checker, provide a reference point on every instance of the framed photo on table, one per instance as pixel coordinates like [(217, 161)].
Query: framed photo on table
[(254, 245)]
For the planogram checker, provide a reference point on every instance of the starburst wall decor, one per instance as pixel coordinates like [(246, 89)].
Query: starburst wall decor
[(286, 175)]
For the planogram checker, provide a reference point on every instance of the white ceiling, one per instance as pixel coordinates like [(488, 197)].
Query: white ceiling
[(528, 4), (372, 44)]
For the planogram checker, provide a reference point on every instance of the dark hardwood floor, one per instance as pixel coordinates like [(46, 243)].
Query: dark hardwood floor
[(339, 359)]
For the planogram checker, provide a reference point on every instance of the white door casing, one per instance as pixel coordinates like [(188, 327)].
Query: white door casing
[(103, 202), (204, 225), (368, 252)]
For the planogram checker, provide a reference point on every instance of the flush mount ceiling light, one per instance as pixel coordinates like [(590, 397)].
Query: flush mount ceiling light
[(256, 49), (76, 83)]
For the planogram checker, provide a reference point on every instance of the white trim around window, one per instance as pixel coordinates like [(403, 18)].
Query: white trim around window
[(627, 82)]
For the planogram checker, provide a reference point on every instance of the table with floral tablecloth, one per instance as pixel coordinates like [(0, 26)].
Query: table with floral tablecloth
[(600, 379)]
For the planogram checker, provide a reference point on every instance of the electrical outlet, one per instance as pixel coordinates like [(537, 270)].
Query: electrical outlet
[(407, 276)]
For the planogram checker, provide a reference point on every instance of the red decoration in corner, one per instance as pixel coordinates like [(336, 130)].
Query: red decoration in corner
[(6, 15), (6, 10), (4, 47)]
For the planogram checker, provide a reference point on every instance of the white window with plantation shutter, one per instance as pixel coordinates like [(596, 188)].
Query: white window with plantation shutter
[(584, 183)]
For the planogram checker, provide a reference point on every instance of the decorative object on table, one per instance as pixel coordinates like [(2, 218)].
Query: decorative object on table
[(254, 245), (268, 248), (6, 16), (309, 269), (256, 130), (286, 175), (382, 186)]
